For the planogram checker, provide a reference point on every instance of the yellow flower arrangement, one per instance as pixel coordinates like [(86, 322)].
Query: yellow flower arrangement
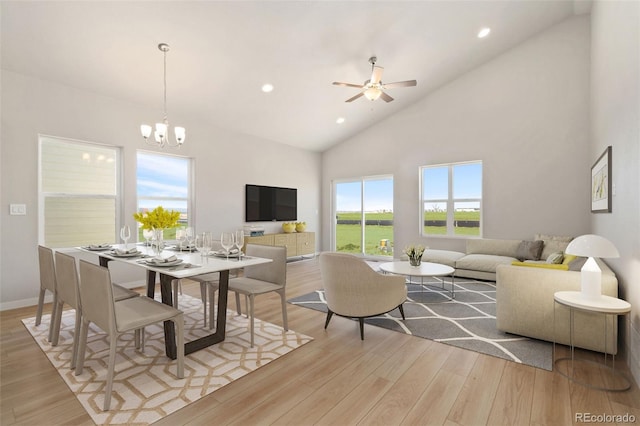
[(158, 218)]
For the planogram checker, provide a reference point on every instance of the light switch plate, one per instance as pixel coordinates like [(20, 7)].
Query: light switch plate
[(17, 209)]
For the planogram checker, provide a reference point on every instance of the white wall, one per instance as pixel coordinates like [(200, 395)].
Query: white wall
[(615, 121), (224, 163), (524, 114)]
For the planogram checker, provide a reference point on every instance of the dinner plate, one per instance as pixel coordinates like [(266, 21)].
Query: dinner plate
[(150, 262), (134, 254), (96, 248), (224, 254)]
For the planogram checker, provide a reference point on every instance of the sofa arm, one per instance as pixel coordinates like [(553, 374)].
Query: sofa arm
[(525, 306)]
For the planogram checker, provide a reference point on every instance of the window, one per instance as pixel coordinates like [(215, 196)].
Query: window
[(451, 199), (164, 180), (367, 201), (79, 192)]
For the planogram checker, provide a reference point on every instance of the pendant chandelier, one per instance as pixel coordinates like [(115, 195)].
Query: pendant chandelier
[(160, 135)]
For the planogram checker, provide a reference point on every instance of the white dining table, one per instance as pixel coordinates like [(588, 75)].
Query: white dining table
[(192, 264)]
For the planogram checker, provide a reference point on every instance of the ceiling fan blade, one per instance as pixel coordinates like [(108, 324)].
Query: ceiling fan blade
[(385, 97), (407, 83), (355, 97), (338, 83), (376, 74)]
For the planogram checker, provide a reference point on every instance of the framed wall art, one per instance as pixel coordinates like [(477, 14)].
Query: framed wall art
[(601, 183)]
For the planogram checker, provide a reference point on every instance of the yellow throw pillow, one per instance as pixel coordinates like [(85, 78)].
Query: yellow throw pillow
[(568, 258), (559, 267)]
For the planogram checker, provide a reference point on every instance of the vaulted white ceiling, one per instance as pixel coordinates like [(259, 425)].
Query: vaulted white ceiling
[(223, 52)]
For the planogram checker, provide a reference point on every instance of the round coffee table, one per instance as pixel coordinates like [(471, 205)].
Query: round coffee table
[(425, 269)]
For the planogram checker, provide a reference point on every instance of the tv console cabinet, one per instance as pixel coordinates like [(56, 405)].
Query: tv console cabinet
[(297, 243)]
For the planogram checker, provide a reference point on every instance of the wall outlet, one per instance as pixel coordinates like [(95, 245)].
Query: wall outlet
[(17, 209)]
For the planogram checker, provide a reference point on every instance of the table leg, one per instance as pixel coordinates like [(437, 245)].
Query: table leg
[(221, 322), (203, 342), (169, 327), (151, 284)]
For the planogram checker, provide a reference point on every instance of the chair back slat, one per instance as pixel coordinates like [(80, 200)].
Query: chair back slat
[(47, 268), (67, 279), (274, 272), (96, 296)]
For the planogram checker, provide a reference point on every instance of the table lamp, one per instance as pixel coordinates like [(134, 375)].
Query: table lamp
[(590, 275)]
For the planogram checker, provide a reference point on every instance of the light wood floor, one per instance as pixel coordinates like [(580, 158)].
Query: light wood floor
[(387, 379)]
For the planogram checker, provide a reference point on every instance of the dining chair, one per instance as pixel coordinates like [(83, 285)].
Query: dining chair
[(354, 290), (262, 279), (68, 292), (47, 282), (99, 307)]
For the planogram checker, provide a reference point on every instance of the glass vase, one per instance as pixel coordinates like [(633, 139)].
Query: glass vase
[(415, 261), (157, 244)]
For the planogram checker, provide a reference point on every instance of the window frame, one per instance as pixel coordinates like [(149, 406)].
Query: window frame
[(450, 201), (361, 180), (44, 195)]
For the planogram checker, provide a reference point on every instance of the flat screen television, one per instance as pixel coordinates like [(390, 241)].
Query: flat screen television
[(270, 203)]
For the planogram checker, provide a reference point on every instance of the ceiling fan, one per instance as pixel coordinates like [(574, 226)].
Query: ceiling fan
[(372, 89)]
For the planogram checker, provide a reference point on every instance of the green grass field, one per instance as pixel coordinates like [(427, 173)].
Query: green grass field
[(348, 236)]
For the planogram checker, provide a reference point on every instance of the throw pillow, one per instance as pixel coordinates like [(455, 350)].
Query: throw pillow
[(555, 258), (529, 250), (568, 258), (577, 263)]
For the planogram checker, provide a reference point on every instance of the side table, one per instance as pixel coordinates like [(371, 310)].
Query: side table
[(605, 305)]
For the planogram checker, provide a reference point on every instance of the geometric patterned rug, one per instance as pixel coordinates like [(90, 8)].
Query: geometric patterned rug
[(468, 321), (145, 388)]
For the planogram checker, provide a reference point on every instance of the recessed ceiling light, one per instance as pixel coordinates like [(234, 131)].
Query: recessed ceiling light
[(484, 32), (340, 120), (266, 88)]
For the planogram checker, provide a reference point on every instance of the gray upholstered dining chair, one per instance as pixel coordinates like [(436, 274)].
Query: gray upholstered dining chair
[(262, 279), (354, 290), (47, 282), (99, 307), (68, 292)]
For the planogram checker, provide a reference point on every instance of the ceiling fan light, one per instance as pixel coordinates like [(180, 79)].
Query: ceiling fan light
[(372, 93), (145, 129)]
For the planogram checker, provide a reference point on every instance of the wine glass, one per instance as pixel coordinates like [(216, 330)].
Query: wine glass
[(207, 243), (147, 234), (125, 234), (181, 237), (199, 244), (226, 241), (189, 234), (239, 241)]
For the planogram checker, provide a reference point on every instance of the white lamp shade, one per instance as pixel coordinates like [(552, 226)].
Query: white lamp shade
[(591, 245), (145, 130), (180, 134), (372, 93), (161, 130)]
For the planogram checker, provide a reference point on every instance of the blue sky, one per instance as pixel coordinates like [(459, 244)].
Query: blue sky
[(162, 176)]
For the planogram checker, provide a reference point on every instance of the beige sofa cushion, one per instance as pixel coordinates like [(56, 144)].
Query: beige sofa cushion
[(483, 262), (444, 257), (494, 247), (552, 244)]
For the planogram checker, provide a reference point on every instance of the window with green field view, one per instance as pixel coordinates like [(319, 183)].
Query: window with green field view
[(451, 199), (363, 208), (79, 192), (164, 180)]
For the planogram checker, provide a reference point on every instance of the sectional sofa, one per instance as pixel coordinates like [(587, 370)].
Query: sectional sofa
[(527, 274)]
